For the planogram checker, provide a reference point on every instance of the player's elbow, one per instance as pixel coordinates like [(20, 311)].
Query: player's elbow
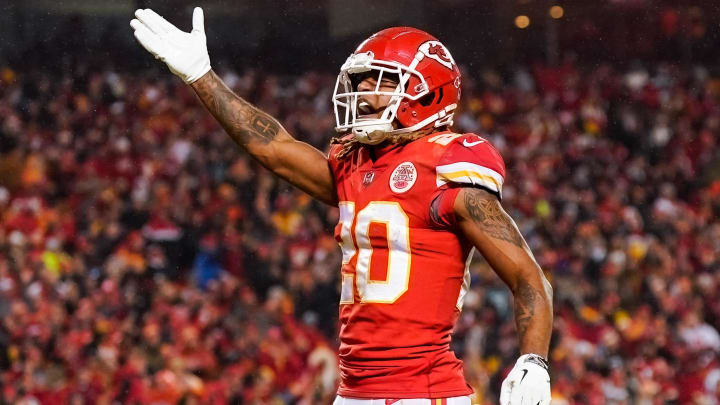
[(532, 274), (547, 287), (267, 154), (533, 289)]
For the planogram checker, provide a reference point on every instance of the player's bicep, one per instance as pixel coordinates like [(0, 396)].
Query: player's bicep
[(482, 220), (306, 168)]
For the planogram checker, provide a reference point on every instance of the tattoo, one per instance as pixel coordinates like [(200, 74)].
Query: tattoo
[(487, 212), (244, 122), (525, 298)]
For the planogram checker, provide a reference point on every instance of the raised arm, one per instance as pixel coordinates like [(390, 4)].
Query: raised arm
[(485, 223), (266, 140), (258, 133)]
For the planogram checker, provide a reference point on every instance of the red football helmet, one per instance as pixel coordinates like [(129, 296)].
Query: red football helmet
[(427, 93)]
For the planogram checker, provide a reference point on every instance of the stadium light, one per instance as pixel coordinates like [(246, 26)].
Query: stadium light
[(522, 21), (556, 12)]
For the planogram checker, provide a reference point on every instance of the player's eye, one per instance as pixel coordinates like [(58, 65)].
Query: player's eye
[(357, 78), (388, 79)]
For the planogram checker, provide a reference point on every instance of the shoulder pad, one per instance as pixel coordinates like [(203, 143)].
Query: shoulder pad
[(471, 160)]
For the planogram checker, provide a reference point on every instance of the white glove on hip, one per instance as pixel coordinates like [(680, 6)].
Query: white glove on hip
[(528, 382), (185, 53)]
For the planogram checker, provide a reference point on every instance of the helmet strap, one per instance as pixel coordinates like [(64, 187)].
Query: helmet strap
[(395, 138)]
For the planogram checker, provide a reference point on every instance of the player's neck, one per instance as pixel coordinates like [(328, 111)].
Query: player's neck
[(377, 151)]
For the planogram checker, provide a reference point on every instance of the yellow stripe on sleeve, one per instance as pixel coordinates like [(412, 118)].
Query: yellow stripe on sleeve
[(471, 175)]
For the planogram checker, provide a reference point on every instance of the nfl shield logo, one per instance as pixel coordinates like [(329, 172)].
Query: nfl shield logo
[(368, 178)]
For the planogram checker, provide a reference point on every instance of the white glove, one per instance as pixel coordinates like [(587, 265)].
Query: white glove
[(185, 53), (528, 382)]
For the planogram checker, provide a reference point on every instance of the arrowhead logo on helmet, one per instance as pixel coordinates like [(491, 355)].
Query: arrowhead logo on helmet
[(437, 51)]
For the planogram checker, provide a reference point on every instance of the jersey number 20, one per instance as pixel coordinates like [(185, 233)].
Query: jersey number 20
[(398, 239)]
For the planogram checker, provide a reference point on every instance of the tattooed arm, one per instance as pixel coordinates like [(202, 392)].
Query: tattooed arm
[(186, 55), (491, 230), (266, 140)]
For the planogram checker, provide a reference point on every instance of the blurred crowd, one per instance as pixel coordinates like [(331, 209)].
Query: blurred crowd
[(613, 180), (145, 259)]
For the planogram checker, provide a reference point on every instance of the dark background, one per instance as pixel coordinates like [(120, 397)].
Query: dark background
[(286, 36)]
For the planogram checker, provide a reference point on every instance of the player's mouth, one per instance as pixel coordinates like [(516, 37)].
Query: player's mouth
[(366, 110)]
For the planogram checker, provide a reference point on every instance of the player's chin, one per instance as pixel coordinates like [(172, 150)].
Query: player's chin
[(372, 115)]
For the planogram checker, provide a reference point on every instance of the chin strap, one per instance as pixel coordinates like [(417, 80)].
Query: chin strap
[(352, 143), (374, 137)]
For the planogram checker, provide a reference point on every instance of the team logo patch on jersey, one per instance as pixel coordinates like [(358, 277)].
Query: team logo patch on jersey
[(403, 177)]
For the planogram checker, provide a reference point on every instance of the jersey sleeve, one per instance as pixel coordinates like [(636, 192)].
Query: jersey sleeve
[(469, 161)]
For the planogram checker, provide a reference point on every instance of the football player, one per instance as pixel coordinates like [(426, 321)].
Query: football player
[(415, 200)]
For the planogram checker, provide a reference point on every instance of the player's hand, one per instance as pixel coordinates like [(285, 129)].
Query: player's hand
[(528, 382), (185, 53)]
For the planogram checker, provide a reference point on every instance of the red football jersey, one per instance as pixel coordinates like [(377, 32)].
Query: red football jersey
[(404, 272)]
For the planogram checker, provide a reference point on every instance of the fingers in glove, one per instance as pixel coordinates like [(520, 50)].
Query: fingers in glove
[(526, 396), (517, 394), (161, 21), (141, 16), (198, 20), (505, 391), (148, 39), (151, 21), (137, 24), (547, 398)]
